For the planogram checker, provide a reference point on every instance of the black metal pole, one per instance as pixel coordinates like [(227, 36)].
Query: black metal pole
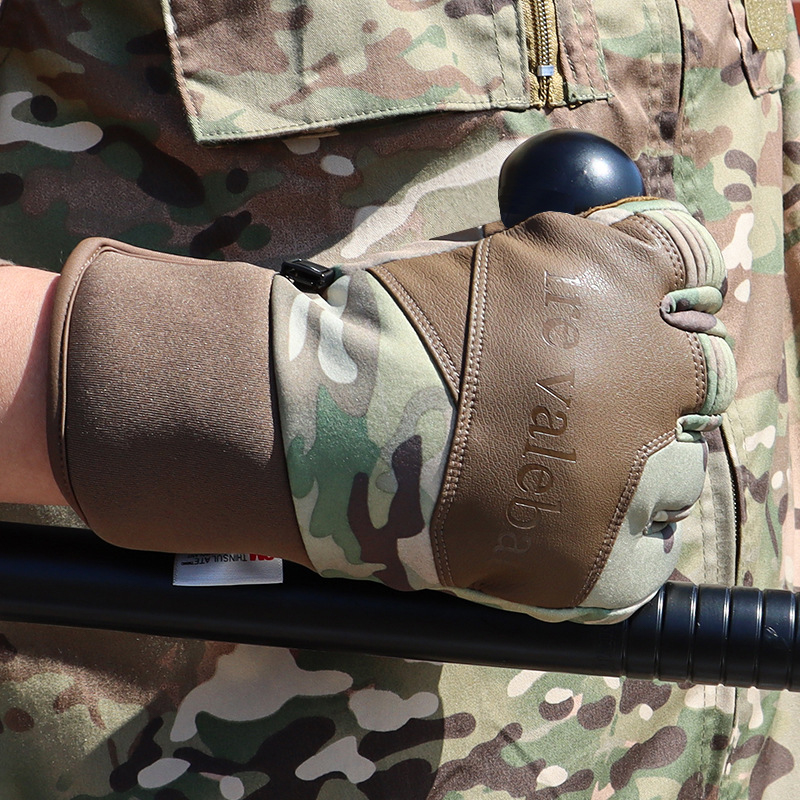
[(63, 576)]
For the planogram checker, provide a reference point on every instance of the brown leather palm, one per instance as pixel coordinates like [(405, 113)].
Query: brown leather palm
[(565, 377)]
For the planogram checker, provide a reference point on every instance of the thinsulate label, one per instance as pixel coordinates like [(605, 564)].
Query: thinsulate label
[(226, 569)]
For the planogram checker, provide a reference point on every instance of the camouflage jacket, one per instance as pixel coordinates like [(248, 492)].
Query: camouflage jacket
[(259, 130)]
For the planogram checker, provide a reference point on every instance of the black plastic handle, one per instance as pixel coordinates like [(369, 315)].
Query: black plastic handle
[(565, 170), (736, 636), (63, 576)]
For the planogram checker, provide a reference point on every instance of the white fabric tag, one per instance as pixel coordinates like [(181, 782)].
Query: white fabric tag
[(225, 569)]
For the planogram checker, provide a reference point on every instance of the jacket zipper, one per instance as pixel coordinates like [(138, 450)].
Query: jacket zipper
[(737, 503), (547, 84)]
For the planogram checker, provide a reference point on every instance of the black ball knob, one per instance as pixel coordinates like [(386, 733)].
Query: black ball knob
[(565, 170)]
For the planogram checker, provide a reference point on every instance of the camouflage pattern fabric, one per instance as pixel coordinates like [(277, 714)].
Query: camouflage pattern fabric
[(334, 64), (94, 140), (361, 403)]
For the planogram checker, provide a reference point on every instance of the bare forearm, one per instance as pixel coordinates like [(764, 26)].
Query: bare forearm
[(25, 309)]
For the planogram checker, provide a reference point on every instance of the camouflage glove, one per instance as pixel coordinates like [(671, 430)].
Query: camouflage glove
[(518, 421)]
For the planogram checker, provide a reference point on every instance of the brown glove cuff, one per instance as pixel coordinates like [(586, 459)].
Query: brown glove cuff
[(162, 422)]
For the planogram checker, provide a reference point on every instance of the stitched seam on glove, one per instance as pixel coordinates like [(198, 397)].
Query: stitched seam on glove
[(680, 276), (426, 330), (469, 389), (659, 233), (634, 476), (701, 367)]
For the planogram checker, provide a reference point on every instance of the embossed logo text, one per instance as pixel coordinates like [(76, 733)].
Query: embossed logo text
[(536, 491)]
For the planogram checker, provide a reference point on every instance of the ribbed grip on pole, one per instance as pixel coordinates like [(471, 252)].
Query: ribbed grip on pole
[(707, 634)]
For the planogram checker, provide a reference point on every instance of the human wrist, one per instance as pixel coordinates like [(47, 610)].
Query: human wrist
[(26, 299)]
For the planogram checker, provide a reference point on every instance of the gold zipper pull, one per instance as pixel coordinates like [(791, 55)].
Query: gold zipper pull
[(547, 83)]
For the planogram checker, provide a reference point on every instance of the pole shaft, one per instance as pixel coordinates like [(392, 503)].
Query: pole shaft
[(62, 576)]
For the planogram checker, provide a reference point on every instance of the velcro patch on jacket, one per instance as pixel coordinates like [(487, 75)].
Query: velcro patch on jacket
[(766, 21)]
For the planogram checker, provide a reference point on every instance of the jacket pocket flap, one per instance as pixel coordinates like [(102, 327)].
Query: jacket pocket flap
[(252, 70)]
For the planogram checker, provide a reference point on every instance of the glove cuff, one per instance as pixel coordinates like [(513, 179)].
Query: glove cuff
[(162, 426)]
